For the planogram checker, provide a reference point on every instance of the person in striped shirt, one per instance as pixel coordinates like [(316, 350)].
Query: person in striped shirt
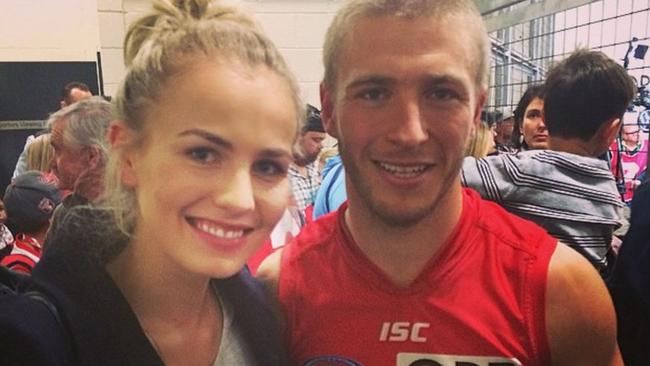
[(567, 189)]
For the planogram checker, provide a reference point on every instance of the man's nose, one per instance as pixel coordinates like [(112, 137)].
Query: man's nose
[(411, 128)]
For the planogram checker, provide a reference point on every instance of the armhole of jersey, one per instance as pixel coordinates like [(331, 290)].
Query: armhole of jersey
[(536, 298)]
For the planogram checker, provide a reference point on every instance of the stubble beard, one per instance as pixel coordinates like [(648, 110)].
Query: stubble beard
[(387, 214)]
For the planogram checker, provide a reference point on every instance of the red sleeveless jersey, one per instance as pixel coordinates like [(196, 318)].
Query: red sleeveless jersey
[(479, 301)]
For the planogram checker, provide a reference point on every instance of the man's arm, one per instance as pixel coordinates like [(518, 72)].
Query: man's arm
[(580, 319)]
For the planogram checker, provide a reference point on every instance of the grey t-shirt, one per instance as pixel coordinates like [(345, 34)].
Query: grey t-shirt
[(233, 350)]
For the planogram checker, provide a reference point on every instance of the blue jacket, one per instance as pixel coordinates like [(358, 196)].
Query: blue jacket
[(331, 193)]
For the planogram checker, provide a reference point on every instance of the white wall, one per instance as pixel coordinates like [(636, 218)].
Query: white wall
[(44, 30), (297, 28), (74, 30)]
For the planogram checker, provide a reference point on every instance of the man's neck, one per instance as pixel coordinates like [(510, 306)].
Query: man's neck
[(630, 146), (303, 170), (402, 252), (302, 162), (574, 146)]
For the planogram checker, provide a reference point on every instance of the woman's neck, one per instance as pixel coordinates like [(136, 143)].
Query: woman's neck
[(176, 310)]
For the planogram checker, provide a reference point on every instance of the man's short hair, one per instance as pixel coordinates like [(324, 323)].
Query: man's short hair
[(584, 91), (353, 11), (67, 90), (313, 121), (86, 123)]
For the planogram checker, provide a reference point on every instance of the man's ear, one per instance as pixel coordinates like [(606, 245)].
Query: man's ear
[(95, 157), (481, 98), (327, 111), (609, 130), (120, 138)]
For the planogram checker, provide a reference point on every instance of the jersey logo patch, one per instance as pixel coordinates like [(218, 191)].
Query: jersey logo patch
[(421, 359), (403, 332)]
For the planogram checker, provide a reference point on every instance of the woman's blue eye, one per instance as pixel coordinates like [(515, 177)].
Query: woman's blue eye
[(270, 168), (203, 155)]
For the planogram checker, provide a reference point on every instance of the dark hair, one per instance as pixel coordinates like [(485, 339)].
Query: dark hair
[(584, 91), (67, 89), (534, 91), (313, 121)]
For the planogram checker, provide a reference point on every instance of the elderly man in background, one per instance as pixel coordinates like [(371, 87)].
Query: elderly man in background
[(71, 93), (80, 149)]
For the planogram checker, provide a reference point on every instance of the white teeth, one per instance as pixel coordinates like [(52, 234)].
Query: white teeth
[(219, 232), (402, 170)]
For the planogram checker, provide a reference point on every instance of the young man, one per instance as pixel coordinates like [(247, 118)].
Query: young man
[(567, 189), (414, 270), (304, 174), (30, 200)]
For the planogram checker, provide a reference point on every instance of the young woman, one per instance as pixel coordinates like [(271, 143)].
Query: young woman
[(482, 143), (530, 132), (206, 118)]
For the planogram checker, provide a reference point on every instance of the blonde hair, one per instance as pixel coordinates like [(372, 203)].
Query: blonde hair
[(482, 143), (353, 11), (326, 154), (162, 44), (40, 153)]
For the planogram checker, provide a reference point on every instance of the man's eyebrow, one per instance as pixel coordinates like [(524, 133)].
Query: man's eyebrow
[(371, 79), (442, 79), (210, 137), (276, 153), (382, 80)]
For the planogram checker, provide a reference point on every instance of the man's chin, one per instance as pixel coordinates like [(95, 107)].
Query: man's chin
[(401, 215)]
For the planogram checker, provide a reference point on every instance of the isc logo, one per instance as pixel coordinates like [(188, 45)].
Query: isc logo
[(402, 332)]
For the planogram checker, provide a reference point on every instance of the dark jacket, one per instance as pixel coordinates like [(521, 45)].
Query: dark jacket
[(100, 327), (629, 284)]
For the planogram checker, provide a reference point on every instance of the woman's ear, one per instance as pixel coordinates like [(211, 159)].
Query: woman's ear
[(120, 137)]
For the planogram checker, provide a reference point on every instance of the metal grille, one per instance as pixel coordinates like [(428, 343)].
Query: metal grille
[(522, 54)]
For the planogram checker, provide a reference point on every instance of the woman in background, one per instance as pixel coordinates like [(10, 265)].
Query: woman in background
[(40, 154), (154, 274), (530, 131), (482, 143)]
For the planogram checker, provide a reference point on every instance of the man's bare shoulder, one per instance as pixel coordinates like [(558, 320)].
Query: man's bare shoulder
[(269, 270), (580, 319)]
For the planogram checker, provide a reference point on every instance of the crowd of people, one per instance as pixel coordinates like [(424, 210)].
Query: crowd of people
[(197, 219)]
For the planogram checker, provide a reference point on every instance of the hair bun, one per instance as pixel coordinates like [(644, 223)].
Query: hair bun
[(171, 16), (194, 8)]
